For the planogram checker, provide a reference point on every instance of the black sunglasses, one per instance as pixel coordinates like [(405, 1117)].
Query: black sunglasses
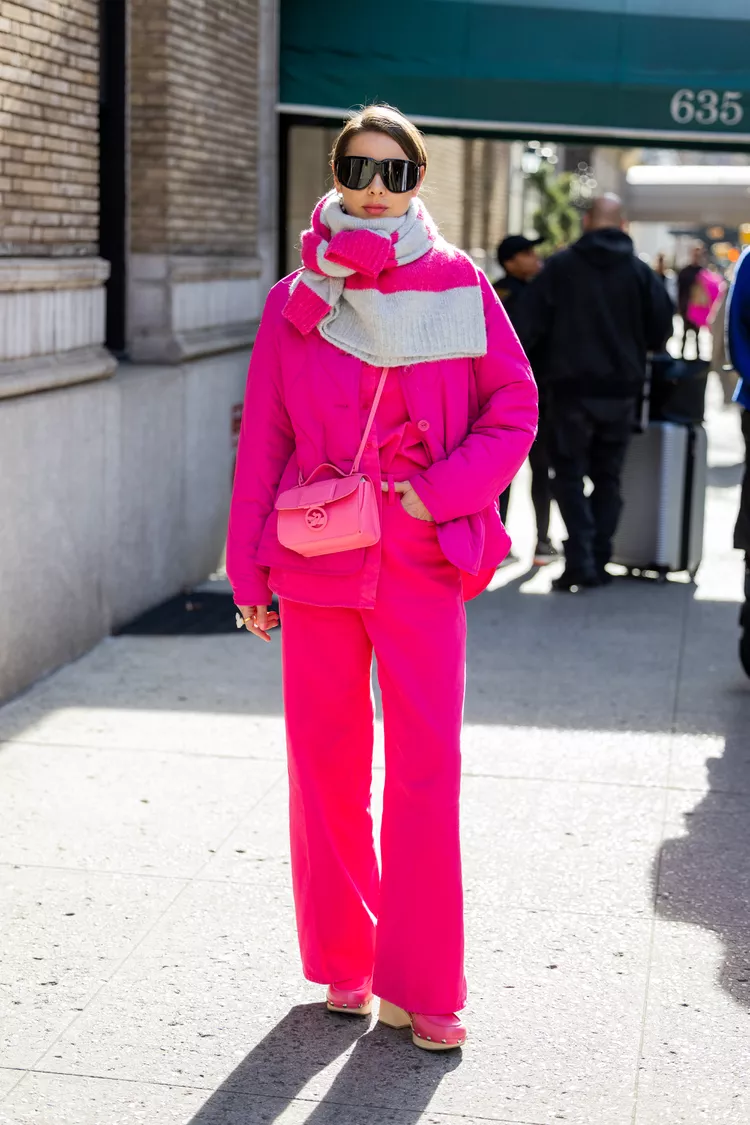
[(357, 172)]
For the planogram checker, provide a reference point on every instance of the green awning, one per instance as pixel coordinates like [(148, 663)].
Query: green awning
[(661, 70)]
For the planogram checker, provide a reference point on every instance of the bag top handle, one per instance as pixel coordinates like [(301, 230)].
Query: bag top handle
[(370, 420)]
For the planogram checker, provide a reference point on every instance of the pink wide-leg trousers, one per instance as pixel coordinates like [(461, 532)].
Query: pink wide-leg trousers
[(406, 924)]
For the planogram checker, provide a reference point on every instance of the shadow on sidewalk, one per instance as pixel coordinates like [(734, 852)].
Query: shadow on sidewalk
[(703, 878), (306, 1041), (726, 476), (605, 659)]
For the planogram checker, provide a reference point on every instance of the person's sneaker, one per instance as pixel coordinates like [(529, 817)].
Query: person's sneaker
[(545, 553), (572, 580)]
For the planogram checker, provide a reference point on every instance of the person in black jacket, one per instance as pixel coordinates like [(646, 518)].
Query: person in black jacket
[(518, 257), (595, 311)]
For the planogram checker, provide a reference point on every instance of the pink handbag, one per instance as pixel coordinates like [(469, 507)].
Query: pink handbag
[(339, 513)]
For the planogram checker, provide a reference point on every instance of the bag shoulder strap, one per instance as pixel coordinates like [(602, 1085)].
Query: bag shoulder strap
[(370, 420)]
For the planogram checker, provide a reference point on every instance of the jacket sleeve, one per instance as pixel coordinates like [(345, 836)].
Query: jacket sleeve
[(483, 465), (658, 312), (265, 447), (535, 309)]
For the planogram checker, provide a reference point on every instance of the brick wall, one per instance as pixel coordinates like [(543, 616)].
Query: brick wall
[(49, 82), (498, 216), (194, 110), (467, 193), (309, 177), (444, 187)]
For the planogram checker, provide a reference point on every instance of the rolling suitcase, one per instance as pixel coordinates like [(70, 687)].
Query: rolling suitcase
[(664, 493)]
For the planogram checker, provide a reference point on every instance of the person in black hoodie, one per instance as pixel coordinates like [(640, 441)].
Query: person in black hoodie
[(594, 312)]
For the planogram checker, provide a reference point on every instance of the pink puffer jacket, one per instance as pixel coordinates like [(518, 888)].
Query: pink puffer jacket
[(302, 407)]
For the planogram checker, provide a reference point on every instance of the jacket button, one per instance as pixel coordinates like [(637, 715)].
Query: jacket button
[(423, 425)]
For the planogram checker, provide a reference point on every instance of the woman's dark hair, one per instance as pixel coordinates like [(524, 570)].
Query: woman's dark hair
[(383, 119)]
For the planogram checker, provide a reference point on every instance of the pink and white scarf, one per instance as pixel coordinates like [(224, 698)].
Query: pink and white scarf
[(389, 291)]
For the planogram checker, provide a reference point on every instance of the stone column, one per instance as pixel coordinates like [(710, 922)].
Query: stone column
[(268, 143), (202, 130), (51, 279), (51, 323)]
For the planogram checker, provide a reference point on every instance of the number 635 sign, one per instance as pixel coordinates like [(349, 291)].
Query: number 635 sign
[(706, 107)]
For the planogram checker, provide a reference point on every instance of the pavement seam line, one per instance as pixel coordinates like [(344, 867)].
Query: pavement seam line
[(21, 1075), (139, 750), (565, 912), (279, 760), (186, 884), (678, 685), (114, 971), (126, 874), (690, 601), (563, 780), (270, 1097)]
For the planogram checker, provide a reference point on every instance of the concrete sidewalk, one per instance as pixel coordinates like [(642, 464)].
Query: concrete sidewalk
[(149, 967)]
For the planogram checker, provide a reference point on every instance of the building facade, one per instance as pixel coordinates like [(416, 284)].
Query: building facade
[(138, 237), (147, 204)]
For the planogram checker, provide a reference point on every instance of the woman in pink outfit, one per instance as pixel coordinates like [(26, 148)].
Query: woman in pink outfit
[(385, 322)]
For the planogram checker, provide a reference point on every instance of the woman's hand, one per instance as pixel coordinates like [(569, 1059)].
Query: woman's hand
[(411, 502), (258, 619)]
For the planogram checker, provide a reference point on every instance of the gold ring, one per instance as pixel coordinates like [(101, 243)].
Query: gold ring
[(240, 621)]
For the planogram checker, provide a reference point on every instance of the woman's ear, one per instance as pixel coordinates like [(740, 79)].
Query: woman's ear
[(420, 181)]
